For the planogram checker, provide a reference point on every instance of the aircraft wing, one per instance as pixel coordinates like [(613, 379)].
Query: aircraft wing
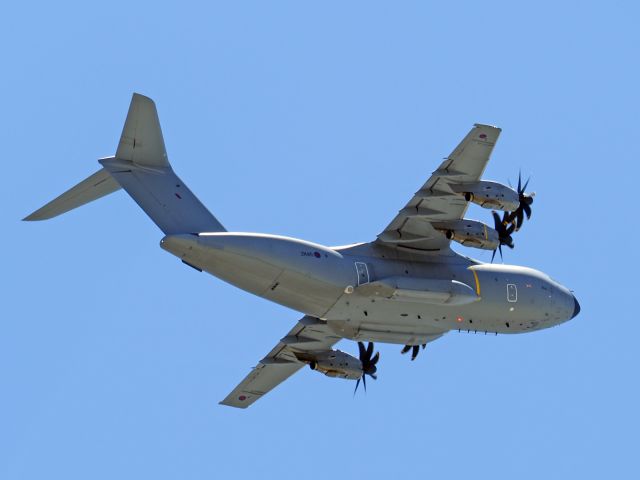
[(436, 201), (308, 335)]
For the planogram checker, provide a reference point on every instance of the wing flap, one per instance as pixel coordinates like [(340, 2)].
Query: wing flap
[(436, 201), (308, 335)]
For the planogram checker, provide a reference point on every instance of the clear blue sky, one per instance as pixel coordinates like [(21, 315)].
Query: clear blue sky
[(316, 120)]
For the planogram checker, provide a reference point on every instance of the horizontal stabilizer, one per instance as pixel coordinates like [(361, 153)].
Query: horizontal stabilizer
[(96, 186)]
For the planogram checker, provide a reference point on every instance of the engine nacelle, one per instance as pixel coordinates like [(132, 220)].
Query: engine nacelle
[(333, 363), (470, 233), (492, 195)]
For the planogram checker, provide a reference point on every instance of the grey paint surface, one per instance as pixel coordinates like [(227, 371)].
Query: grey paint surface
[(407, 287)]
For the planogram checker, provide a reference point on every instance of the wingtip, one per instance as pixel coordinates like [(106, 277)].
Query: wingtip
[(31, 218), (141, 98), (485, 125), (227, 404), (40, 214)]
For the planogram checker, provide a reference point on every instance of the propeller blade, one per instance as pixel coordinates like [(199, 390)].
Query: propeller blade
[(405, 349), (500, 248), (492, 257), (368, 361), (513, 221), (414, 354), (520, 218), (496, 220), (375, 359)]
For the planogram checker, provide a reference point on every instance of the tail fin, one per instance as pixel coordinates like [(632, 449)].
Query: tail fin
[(140, 167)]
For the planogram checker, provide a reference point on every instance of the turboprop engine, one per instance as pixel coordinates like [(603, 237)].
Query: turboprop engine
[(337, 364), (333, 363), (470, 233), (491, 195)]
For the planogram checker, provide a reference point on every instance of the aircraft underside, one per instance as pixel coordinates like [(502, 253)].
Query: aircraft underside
[(406, 287)]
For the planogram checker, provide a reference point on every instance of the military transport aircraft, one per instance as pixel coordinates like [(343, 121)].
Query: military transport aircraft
[(407, 287)]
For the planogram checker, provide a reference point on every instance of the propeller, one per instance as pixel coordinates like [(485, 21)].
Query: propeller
[(416, 350), (517, 216), (504, 230), (369, 361)]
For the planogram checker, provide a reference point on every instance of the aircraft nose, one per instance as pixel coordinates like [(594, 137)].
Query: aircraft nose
[(576, 307)]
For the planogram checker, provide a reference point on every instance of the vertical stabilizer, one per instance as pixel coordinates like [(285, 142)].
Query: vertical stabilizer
[(141, 141)]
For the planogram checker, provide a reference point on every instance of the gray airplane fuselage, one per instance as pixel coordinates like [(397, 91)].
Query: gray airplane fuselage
[(376, 293), (408, 287)]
